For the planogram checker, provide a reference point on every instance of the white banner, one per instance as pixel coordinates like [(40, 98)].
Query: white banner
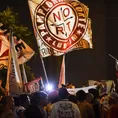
[(73, 91)]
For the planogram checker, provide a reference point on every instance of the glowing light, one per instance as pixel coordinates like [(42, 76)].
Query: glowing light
[(49, 87)]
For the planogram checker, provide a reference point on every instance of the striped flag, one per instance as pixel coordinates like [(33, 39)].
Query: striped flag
[(14, 84)]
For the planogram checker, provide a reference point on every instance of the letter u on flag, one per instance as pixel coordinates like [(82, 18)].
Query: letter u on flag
[(60, 26)]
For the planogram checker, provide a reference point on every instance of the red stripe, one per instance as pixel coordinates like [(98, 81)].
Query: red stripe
[(5, 53)]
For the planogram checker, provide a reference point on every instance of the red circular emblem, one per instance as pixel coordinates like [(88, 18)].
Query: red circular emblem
[(60, 24)]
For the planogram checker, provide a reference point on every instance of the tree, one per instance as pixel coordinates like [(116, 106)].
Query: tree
[(10, 19)]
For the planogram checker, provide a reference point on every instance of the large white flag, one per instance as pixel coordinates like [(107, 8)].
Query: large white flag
[(60, 26), (14, 84)]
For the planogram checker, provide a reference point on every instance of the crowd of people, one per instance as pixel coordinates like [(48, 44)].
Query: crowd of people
[(60, 104)]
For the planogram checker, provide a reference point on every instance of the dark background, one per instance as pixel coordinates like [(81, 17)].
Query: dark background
[(81, 65)]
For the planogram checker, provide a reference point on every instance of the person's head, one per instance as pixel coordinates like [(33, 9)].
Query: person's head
[(25, 100), (113, 98), (17, 101), (73, 98), (39, 98), (70, 85), (89, 97), (63, 93), (53, 97), (33, 112), (94, 92), (83, 85), (8, 101), (81, 95)]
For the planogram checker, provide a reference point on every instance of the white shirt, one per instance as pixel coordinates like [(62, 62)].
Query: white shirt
[(65, 109)]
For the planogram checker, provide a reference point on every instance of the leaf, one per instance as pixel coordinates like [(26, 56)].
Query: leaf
[(10, 19)]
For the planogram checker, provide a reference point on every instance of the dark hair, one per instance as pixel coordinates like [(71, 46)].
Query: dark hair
[(17, 101), (35, 99), (81, 95), (23, 97), (95, 92), (73, 98), (63, 93)]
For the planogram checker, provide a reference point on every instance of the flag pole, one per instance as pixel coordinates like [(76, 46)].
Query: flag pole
[(115, 64), (112, 57), (24, 74), (62, 73), (46, 77), (8, 71)]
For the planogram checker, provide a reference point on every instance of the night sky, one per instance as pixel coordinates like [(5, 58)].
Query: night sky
[(81, 65)]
